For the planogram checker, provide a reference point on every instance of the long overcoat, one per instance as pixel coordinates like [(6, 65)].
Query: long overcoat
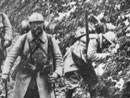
[(23, 79)]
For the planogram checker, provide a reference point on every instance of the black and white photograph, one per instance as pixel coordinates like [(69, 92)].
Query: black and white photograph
[(64, 48)]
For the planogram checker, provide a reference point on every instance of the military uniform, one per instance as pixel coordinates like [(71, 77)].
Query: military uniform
[(72, 72), (36, 81)]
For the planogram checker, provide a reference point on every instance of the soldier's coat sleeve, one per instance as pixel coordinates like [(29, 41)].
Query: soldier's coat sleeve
[(12, 55), (7, 28), (58, 57), (92, 51)]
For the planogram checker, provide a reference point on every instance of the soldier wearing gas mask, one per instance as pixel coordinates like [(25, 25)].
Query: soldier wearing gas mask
[(41, 62)]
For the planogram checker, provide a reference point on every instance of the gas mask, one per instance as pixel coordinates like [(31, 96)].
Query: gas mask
[(37, 30)]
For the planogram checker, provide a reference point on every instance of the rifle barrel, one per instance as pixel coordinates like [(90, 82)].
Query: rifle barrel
[(87, 30)]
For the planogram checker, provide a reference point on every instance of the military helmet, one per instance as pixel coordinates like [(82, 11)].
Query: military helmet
[(24, 24), (24, 27), (36, 17)]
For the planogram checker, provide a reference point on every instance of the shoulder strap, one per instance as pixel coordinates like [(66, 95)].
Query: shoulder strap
[(49, 47)]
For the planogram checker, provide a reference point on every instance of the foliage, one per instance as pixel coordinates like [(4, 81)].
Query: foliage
[(68, 15)]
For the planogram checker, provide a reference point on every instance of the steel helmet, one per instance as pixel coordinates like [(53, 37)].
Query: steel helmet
[(79, 32), (111, 37), (35, 17), (24, 24)]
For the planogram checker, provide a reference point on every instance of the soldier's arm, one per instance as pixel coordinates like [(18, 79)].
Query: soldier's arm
[(92, 51), (58, 57), (7, 28), (12, 55)]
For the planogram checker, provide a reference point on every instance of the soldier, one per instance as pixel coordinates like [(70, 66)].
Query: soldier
[(5, 35), (79, 72), (41, 62)]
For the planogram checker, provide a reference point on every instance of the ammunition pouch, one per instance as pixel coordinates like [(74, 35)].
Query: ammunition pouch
[(34, 68), (28, 68)]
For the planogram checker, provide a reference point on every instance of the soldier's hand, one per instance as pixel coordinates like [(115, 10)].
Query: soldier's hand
[(4, 78), (6, 44), (108, 55), (53, 77), (114, 48), (3, 81)]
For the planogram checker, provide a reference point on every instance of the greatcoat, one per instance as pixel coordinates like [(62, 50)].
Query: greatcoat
[(23, 79)]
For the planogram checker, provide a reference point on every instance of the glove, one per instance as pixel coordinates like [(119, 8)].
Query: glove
[(6, 44)]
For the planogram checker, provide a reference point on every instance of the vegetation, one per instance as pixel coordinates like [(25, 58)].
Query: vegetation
[(66, 15)]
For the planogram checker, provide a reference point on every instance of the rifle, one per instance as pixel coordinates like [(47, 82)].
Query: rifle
[(6, 89), (52, 62), (87, 31)]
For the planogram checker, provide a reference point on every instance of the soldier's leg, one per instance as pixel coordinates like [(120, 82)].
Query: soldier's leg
[(35, 92), (32, 91), (29, 93)]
